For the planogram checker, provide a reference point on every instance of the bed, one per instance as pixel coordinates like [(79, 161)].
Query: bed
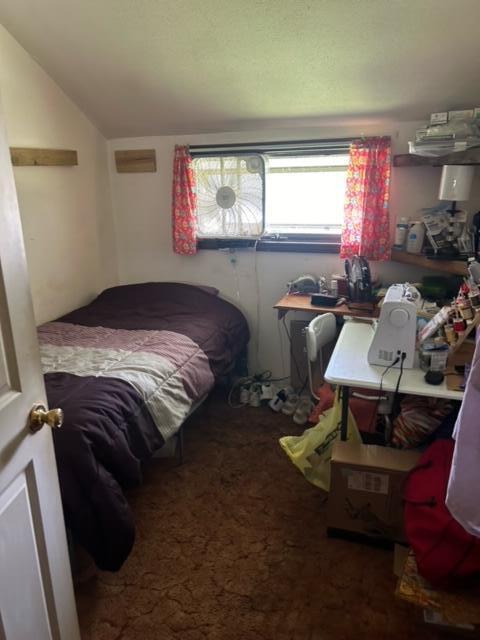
[(127, 369)]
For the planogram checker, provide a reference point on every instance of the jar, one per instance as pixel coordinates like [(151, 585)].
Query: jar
[(433, 359), (465, 308), (475, 300), (450, 334)]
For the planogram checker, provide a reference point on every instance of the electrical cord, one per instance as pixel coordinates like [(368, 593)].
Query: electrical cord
[(395, 395), (280, 340), (402, 360), (233, 262), (305, 382), (257, 286), (258, 378), (385, 371)]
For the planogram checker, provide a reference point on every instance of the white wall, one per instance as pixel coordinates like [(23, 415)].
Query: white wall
[(257, 280), (76, 246), (66, 211)]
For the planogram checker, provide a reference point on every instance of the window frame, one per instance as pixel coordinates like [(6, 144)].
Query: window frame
[(277, 242)]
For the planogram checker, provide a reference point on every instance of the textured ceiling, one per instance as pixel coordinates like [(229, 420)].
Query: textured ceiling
[(141, 67)]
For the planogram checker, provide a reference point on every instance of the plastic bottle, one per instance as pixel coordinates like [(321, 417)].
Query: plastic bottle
[(415, 237), (401, 230)]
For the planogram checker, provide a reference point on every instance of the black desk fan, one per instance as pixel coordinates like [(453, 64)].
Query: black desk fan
[(359, 279)]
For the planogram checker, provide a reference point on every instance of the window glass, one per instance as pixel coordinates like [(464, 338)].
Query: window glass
[(305, 194)]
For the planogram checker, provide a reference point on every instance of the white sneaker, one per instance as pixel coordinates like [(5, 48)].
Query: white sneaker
[(268, 391), (254, 399), (290, 405), (244, 395)]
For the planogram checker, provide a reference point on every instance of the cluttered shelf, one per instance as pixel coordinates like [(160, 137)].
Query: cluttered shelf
[(455, 267), (468, 157), (443, 237), (450, 138)]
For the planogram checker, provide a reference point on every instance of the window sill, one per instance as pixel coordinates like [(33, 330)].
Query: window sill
[(288, 245), (225, 243), (298, 246)]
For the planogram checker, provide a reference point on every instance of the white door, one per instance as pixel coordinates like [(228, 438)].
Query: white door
[(36, 593)]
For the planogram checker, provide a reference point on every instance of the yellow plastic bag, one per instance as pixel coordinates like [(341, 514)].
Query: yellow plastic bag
[(311, 452)]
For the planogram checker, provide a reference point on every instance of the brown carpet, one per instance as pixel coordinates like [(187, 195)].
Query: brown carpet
[(232, 546)]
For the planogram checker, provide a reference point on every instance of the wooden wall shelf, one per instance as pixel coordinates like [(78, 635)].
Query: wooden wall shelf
[(454, 267), (31, 157), (470, 157), (136, 161)]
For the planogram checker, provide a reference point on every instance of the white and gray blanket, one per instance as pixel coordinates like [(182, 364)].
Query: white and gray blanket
[(167, 369)]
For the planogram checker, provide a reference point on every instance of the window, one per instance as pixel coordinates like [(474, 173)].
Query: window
[(292, 195), (305, 194)]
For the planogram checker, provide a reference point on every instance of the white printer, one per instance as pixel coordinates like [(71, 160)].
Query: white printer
[(396, 328)]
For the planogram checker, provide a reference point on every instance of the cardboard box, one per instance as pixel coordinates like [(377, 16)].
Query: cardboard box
[(366, 489)]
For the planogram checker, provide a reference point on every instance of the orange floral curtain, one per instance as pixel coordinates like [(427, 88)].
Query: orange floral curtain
[(366, 226), (184, 203)]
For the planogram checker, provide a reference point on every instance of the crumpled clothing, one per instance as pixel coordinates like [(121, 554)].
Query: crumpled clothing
[(462, 492)]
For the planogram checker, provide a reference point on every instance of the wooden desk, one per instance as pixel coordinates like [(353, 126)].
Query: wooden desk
[(302, 303)]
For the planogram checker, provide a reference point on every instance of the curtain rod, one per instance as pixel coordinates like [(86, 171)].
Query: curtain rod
[(280, 143), (338, 145), (332, 145)]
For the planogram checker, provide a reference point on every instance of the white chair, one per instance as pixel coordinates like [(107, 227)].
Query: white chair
[(321, 331)]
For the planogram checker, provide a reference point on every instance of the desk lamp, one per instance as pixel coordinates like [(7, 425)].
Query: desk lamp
[(455, 186)]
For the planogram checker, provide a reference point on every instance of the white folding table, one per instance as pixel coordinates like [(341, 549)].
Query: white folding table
[(348, 367)]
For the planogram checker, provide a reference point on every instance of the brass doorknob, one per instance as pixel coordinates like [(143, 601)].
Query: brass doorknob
[(40, 416)]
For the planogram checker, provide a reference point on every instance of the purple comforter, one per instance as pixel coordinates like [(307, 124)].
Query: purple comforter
[(127, 369)]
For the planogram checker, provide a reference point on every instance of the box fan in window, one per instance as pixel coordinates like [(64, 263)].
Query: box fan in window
[(230, 196)]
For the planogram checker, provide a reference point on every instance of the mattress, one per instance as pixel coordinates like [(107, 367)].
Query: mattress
[(127, 370)]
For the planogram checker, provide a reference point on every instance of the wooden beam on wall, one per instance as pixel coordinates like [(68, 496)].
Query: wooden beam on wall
[(28, 157), (136, 161)]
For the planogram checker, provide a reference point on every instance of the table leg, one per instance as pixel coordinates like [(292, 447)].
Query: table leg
[(345, 391)]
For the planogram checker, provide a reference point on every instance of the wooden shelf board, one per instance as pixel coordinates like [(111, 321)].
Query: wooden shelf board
[(31, 157), (469, 157), (454, 267), (136, 161)]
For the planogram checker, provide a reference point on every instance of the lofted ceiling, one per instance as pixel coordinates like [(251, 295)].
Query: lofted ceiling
[(152, 67)]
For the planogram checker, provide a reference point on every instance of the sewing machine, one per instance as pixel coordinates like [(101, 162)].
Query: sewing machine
[(396, 328)]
